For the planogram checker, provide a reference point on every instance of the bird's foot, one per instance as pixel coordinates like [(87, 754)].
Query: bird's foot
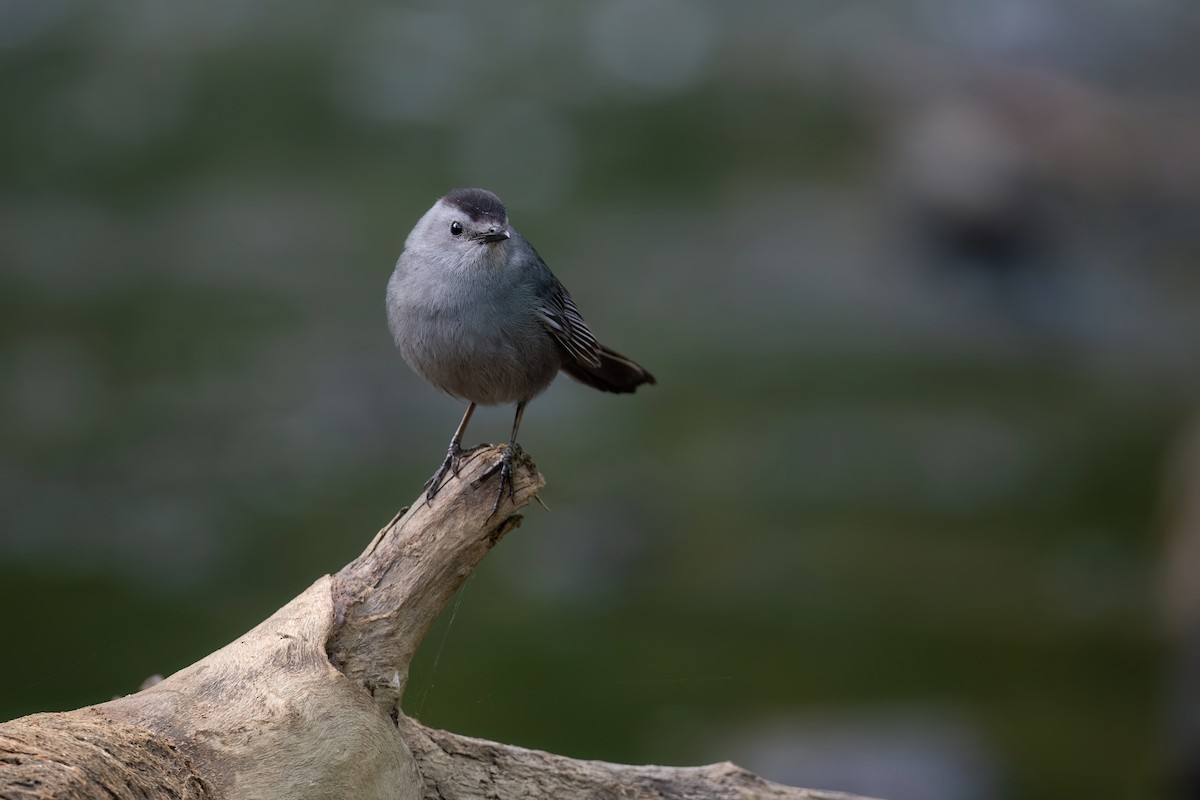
[(453, 459), (504, 467)]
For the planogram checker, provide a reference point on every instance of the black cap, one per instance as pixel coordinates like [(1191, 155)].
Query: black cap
[(479, 204)]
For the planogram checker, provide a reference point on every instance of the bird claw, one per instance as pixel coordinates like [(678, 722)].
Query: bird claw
[(504, 467), (453, 459)]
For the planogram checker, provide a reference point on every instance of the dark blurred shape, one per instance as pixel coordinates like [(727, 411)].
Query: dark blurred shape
[(1180, 597), (976, 202), (1024, 183)]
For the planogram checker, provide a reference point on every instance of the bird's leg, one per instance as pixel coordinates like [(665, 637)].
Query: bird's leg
[(453, 455), (505, 464)]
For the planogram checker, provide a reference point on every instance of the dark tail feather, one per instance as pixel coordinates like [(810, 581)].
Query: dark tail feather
[(616, 373)]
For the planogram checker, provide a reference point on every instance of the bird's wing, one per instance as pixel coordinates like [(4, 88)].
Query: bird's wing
[(560, 316)]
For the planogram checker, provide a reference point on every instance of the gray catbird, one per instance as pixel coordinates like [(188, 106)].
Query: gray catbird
[(476, 312)]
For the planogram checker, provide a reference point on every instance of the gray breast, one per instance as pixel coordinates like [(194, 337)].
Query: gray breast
[(479, 341)]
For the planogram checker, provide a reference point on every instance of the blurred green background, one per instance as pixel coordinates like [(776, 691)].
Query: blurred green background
[(918, 281)]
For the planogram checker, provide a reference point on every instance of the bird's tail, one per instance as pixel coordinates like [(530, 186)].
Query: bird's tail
[(616, 373)]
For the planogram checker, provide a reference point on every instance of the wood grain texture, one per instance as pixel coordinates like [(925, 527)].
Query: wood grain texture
[(85, 754), (387, 598), (456, 767)]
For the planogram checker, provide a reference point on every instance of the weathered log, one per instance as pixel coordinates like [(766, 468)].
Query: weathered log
[(307, 704)]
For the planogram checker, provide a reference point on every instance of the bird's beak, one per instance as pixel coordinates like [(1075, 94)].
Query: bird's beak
[(493, 235)]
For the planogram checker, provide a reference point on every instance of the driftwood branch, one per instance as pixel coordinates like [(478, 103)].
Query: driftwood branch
[(307, 704), (457, 767)]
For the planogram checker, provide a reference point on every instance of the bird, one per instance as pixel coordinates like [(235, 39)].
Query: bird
[(476, 312)]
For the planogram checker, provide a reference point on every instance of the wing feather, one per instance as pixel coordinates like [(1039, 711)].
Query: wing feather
[(564, 322)]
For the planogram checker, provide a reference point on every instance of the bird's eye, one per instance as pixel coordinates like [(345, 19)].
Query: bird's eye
[(456, 229)]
